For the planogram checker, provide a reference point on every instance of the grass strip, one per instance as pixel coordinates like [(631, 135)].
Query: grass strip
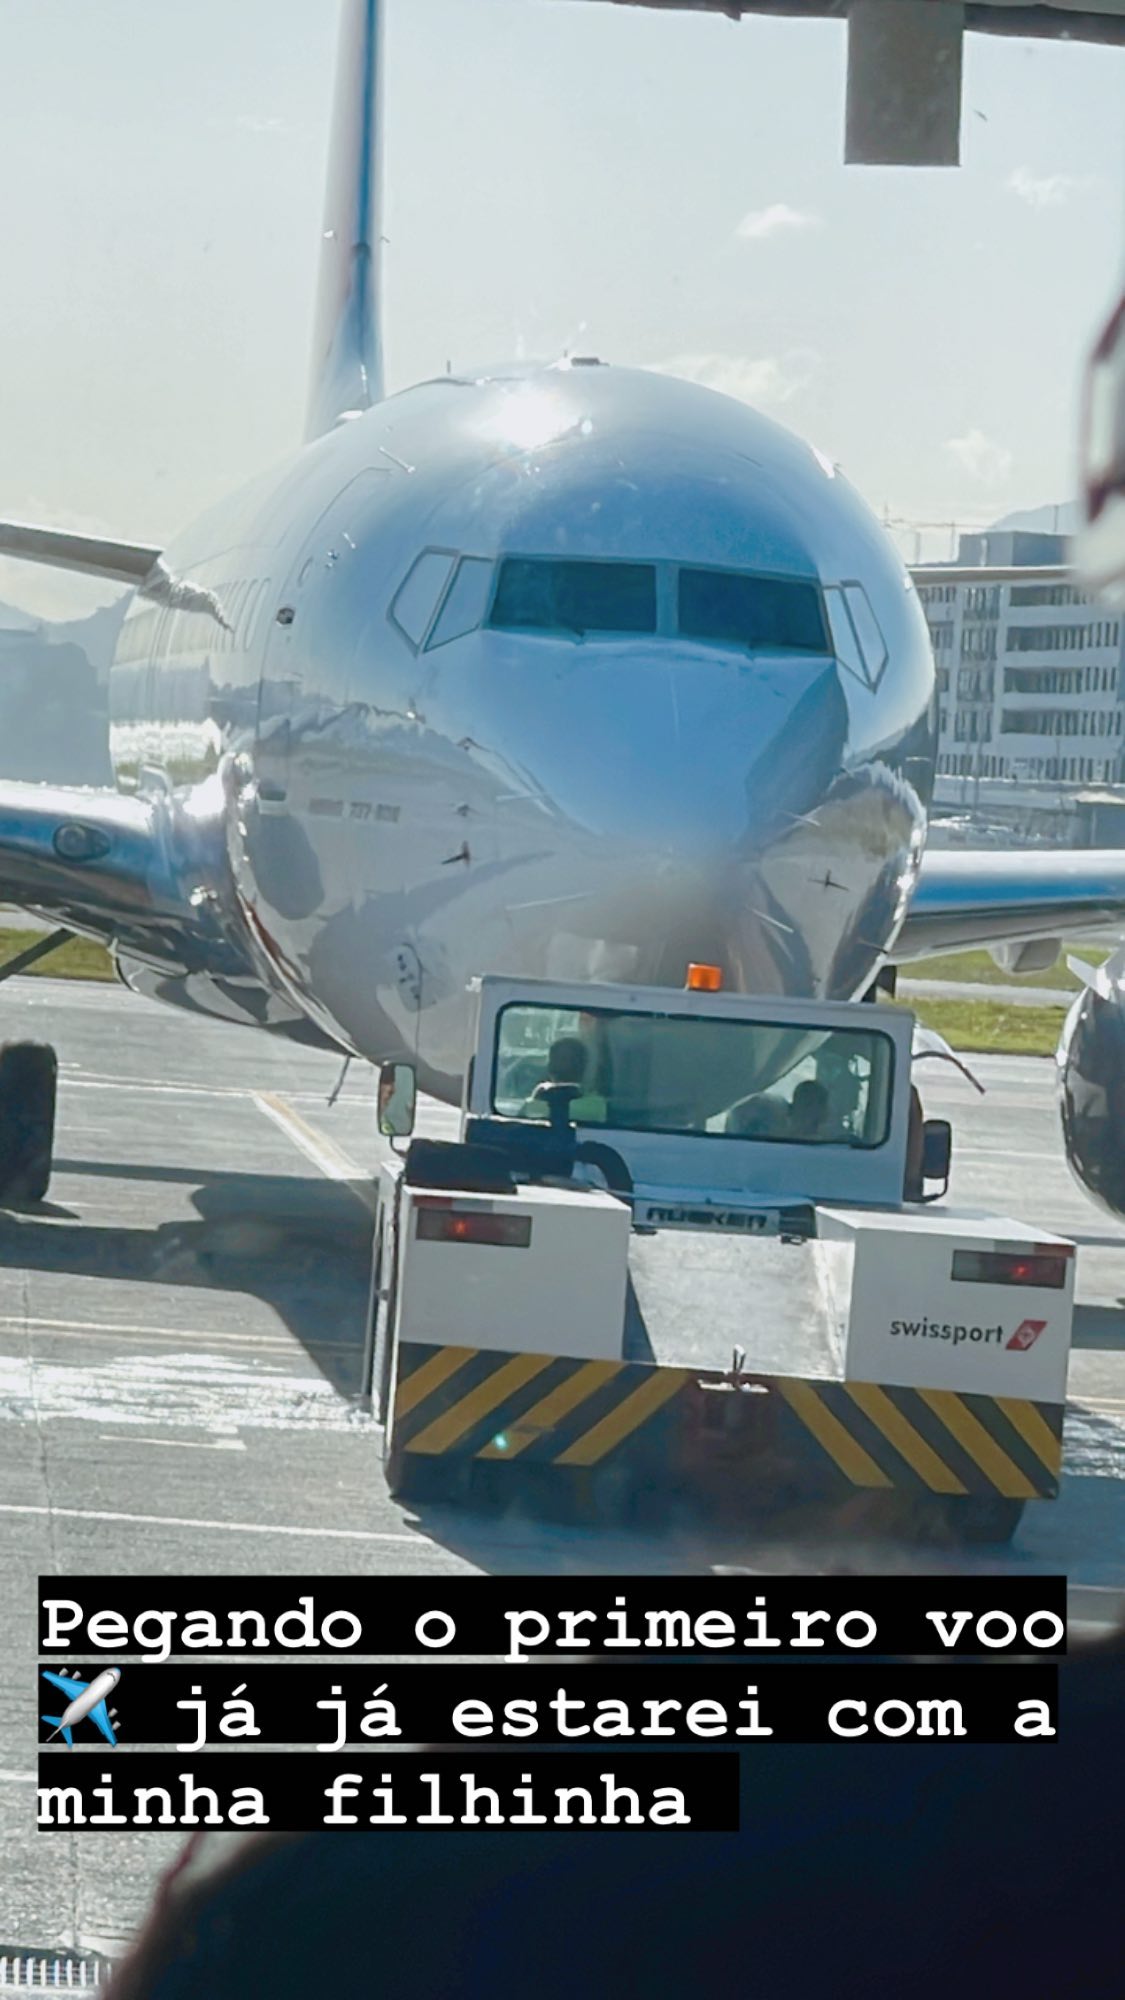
[(988, 1027), (978, 967), (78, 958)]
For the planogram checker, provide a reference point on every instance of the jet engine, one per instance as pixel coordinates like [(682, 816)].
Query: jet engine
[(1091, 1066)]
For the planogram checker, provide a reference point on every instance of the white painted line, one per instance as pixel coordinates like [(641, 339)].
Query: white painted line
[(19, 1777), (324, 1153), (225, 1527), (1001, 1153), (85, 1326), (178, 1444), (209, 1394), (89, 1080), (262, 1344)]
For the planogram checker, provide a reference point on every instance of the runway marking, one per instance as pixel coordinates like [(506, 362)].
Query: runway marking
[(19, 1777), (76, 1327), (178, 1444), (130, 1326), (225, 1527), (208, 1393), (89, 1079), (324, 1153), (271, 1350), (1002, 1153)]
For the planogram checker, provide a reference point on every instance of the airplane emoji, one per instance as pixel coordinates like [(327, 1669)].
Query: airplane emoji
[(84, 1698)]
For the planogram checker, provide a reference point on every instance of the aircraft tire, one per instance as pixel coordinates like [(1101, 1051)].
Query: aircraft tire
[(28, 1089)]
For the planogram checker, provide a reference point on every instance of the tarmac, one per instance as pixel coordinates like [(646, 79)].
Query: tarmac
[(181, 1331)]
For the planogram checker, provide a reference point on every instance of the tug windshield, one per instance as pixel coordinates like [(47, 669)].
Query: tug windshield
[(688, 1073)]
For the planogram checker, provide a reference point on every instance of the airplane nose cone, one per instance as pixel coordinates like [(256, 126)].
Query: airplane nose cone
[(707, 800), (696, 761)]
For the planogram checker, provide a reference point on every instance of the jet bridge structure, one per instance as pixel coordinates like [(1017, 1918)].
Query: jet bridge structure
[(905, 60)]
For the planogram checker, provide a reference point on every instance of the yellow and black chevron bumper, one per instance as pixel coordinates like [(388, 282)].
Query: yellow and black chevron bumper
[(661, 1424)]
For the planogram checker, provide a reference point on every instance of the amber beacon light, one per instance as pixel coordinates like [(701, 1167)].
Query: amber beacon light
[(704, 978)]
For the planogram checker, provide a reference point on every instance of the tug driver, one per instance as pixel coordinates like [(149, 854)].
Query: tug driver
[(567, 1062)]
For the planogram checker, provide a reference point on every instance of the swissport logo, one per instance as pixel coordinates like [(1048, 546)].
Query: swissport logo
[(1026, 1334)]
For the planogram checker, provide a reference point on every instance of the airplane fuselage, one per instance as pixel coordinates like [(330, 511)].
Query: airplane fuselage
[(414, 786)]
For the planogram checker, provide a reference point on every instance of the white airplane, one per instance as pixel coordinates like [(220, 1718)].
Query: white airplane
[(566, 670), (84, 1698)]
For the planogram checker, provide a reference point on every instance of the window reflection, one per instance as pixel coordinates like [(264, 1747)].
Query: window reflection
[(578, 597), (761, 612), (466, 602), (418, 598), (697, 1074)]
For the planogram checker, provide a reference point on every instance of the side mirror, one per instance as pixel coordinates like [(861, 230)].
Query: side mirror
[(937, 1150), (397, 1098)]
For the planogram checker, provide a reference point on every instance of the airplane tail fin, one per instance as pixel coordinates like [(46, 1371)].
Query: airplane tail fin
[(347, 363), (59, 1729)]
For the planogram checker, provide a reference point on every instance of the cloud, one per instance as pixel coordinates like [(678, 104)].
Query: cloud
[(767, 380), (774, 221), (1043, 190), (981, 457)]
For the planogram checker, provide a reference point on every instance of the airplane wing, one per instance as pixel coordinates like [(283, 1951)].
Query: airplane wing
[(138, 564), (65, 1685), (90, 555), (98, 861), (995, 896), (101, 1717), (140, 872)]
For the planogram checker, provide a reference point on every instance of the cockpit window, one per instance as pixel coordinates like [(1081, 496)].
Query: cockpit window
[(857, 637), (764, 612), (419, 596), (577, 597), (868, 631), (465, 603)]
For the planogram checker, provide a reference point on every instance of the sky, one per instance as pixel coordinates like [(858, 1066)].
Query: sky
[(660, 189)]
